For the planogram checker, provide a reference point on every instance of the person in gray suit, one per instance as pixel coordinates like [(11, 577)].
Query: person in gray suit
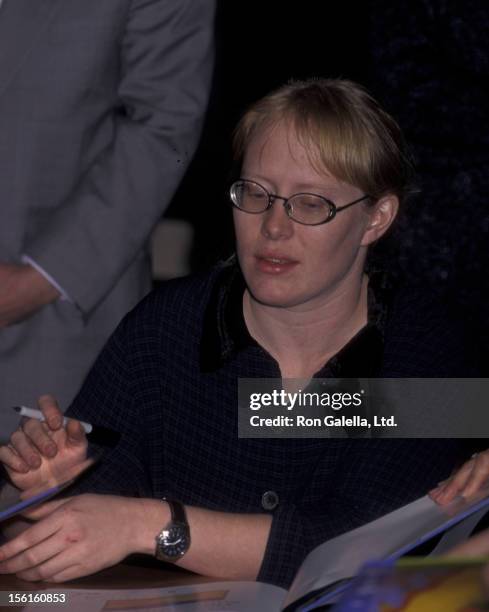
[(101, 106)]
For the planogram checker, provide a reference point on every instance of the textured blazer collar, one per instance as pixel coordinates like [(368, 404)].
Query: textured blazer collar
[(22, 23)]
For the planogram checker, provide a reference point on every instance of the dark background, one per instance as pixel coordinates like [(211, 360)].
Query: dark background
[(428, 63), (259, 46)]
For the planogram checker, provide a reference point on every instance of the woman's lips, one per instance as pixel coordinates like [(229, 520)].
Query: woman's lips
[(274, 264)]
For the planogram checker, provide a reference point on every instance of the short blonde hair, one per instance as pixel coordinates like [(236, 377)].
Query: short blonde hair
[(343, 129)]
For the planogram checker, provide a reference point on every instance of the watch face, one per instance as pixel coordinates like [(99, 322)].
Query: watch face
[(174, 541)]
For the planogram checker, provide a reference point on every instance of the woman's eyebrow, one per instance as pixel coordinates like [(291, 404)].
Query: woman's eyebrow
[(331, 190), (314, 187)]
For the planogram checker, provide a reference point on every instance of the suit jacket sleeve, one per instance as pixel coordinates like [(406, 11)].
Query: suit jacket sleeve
[(166, 56)]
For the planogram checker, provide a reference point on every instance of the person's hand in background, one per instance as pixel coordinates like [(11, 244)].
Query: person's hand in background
[(45, 453), (466, 481), (23, 291)]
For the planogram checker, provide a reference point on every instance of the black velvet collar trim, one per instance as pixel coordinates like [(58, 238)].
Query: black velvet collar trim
[(225, 332)]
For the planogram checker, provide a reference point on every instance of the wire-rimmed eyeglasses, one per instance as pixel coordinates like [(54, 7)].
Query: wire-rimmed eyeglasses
[(304, 208)]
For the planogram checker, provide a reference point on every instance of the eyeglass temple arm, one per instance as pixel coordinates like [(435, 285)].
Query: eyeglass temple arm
[(365, 197)]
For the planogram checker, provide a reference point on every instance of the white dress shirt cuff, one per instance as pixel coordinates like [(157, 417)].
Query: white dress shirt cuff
[(63, 295)]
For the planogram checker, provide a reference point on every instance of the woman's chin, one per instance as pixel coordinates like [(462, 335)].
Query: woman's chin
[(275, 299)]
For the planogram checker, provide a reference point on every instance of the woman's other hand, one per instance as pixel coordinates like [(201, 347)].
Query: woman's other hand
[(44, 453), (466, 481)]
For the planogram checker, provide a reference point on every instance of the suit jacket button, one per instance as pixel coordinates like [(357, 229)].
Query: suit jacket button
[(269, 500)]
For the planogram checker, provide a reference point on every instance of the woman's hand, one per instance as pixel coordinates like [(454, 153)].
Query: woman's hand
[(76, 537), (466, 481), (45, 453)]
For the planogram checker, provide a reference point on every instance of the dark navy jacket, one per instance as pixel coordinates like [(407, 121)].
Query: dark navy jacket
[(167, 380)]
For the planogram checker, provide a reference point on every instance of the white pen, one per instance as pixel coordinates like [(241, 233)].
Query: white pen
[(32, 413), (95, 433)]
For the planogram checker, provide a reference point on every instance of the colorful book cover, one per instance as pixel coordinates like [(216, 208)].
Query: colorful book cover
[(417, 584)]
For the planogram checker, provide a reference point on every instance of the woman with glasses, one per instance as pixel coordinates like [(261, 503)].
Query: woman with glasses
[(322, 173)]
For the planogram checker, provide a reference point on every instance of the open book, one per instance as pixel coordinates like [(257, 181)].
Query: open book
[(326, 570), (324, 574)]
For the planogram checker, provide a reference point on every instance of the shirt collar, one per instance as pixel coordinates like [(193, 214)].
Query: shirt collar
[(225, 333)]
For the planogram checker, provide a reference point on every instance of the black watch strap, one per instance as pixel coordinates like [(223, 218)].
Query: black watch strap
[(177, 510)]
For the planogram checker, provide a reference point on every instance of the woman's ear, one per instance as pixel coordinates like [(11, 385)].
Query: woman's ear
[(382, 214)]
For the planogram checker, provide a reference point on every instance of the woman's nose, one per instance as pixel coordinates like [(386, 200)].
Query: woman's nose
[(276, 223)]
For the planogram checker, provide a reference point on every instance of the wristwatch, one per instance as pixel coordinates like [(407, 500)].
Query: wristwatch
[(173, 541)]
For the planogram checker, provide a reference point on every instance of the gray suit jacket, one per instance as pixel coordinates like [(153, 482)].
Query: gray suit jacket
[(101, 105)]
